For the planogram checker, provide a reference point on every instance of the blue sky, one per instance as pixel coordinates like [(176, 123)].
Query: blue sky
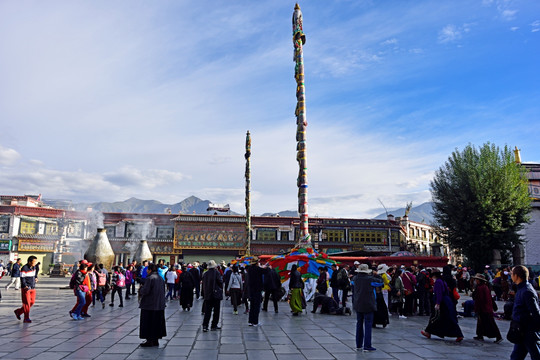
[(102, 101)]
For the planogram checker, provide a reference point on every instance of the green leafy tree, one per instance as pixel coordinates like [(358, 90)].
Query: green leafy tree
[(481, 201)]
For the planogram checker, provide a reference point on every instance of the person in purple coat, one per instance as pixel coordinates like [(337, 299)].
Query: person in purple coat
[(443, 321), (129, 281)]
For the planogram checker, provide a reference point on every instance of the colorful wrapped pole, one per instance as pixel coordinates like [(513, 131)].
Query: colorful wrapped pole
[(299, 39), (248, 192)]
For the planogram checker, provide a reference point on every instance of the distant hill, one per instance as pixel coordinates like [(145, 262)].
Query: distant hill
[(421, 213), (189, 205)]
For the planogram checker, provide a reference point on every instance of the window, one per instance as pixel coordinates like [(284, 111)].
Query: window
[(334, 235), (28, 227), (51, 229), (165, 232), (356, 236), (285, 235), (4, 224), (111, 231), (140, 230), (75, 230), (266, 235)]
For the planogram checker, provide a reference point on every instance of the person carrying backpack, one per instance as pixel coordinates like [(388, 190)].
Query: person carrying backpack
[(101, 274), (118, 282)]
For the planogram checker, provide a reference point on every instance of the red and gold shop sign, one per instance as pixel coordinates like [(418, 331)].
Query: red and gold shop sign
[(36, 245), (219, 236)]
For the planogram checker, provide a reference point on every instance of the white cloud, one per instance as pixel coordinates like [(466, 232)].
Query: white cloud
[(149, 179), (535, 26), (508, 14), (393, 41), (8, 156), (82, 186), (514, 28), (450, 33)]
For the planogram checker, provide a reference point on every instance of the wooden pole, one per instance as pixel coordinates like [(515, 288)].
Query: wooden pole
[(299, 39), (248, 193)]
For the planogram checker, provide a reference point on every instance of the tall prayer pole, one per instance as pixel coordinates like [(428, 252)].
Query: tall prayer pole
[(299, 39), (248, 193)]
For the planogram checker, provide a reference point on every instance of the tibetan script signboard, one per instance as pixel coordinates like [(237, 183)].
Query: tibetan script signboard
[(5, 246), (36, 245), (209, 236)]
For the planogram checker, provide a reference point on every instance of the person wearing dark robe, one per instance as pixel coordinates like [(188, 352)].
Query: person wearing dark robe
[(483, 307), (255, 288), (328, 305), (187, 284), (322, 283), (152, 305), (443, 321), (212, 288), (196, 274), (380, 317), (272, 288)]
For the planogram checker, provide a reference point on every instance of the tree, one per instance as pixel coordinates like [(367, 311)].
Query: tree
[(481, 201)]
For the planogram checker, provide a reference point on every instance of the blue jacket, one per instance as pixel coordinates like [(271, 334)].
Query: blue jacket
[(16, 270), (526, 310)]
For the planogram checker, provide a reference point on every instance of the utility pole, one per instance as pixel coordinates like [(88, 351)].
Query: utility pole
[(248, 193), (299, 39)]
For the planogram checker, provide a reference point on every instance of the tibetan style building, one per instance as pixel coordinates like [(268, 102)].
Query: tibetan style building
[(28, 227)]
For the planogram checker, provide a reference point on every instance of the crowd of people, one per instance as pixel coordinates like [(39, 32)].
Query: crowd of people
[(377, 292)]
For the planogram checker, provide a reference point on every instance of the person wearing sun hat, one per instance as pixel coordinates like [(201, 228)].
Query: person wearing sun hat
[(212, 283), (382, 272), (483, 307), (365, 305)]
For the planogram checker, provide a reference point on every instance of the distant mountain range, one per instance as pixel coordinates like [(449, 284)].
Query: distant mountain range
[(194, 205), (189, 205), (422, 213)]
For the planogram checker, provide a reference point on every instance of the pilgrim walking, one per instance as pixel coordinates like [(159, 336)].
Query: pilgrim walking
[(443, 321), (483, 307), (152, 305), (212, 282)]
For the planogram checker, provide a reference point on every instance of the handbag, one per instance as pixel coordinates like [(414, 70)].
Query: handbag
[(218, 293), (515, 334), (84, 288), (456, 294), (407, 292), (435, 316)]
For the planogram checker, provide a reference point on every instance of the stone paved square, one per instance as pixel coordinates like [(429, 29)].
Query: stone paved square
[(112, 333)]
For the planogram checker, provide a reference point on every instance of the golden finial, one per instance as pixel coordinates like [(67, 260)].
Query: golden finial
[(517, 155)]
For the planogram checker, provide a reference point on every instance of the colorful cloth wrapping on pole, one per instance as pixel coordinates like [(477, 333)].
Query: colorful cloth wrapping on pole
[(308, 260)]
